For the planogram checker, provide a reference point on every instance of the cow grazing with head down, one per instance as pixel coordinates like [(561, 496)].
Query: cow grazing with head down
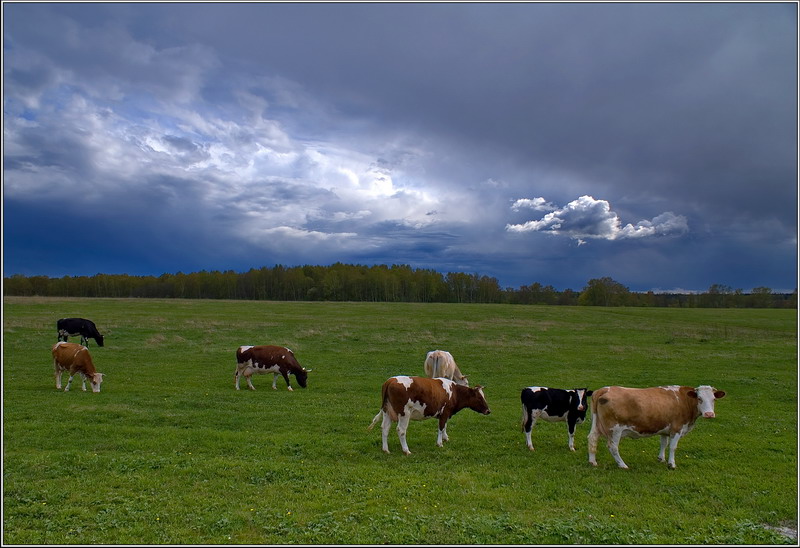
[(418, 398), (277, 360), (78, 326), (553, 405), (440, 363), (669, 411), (75, 359)]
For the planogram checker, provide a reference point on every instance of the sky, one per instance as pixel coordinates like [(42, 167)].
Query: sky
[(653, 143)]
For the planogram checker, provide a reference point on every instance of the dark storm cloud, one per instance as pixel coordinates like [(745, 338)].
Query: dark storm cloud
[(307, 133)]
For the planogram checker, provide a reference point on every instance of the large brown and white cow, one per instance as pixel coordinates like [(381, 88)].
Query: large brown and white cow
[(261, 359), (669, 411), (75, 359), (418, 398), (440, 363)]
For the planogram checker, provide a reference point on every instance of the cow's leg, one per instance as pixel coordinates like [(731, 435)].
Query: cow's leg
[(571, 431), (288, 384), (662, 450), (84, 340), (249, 379), (83, 382), (442, 436), (613, 447), (594, 435), (530, 422), (402, 428), (69, 382), (236, 378), (57, 375), (386, 425), (274, 381), (673, 445)]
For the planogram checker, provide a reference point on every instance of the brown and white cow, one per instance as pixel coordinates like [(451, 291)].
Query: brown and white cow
[(669, 411), (261, 359), (418, 398), (440, 363), (75, 358)]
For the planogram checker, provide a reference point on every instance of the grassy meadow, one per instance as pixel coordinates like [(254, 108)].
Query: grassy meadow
[(170, 452)]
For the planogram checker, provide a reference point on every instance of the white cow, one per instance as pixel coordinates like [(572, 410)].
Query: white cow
[(440, 363)]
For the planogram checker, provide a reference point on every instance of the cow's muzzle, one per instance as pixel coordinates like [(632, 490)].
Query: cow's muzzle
[(709, 415)]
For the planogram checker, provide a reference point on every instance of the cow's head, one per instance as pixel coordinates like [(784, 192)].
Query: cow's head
[(479, 401), (706, 395), (461, 379), (99, 339), (96, 380), (579, 398), (302, 376)]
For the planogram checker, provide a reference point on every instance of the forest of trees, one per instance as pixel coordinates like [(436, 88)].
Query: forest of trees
[(379, 283)]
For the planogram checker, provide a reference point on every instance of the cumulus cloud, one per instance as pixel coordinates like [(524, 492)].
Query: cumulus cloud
[(588, 218)]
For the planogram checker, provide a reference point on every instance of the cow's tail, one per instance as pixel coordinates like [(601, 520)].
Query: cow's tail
[(524, 416), (385, 407), (375, 419), (599, 399), (436, 358)]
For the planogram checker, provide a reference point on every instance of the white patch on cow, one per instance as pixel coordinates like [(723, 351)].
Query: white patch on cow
[(59, 343), (543, 414), (244, 348), (404, 380), (536, 388), (447, 384), (626, 431), (415, 409), (283, 357)]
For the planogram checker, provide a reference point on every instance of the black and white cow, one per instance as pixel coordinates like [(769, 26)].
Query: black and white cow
[(78, 326), (553, 405)]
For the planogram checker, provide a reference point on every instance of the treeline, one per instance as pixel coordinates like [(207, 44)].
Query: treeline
[(379, 283)]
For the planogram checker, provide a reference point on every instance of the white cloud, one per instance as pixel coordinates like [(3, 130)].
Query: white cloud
[(588, 218), (537, 204)]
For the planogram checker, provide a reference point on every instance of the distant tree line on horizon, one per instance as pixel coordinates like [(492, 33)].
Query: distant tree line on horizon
[(379, 283)]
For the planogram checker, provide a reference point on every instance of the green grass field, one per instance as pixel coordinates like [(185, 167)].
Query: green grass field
[(170, 452)]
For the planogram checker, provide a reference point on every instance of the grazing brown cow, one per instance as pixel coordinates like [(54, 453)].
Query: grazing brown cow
[(75, 358), (669, 411), (277, 360), (418, 398), (440, 363)]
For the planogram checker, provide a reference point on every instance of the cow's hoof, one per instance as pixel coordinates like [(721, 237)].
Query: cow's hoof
[(623, 466), (406, 452), (572, 449), (530, 448), (291, 389)]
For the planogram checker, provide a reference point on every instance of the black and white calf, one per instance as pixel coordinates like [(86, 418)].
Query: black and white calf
[(553, 405), (78, 326)]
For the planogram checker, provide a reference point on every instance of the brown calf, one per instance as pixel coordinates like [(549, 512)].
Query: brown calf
[(669, 411), (418, 398), (75, 358)]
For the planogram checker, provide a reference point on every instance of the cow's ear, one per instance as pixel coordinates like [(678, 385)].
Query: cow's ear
[(589, 393), (691, 394), (719, 394)]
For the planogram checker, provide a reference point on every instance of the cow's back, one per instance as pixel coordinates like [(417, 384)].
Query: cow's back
[(399, 391), (650, 410), (72, 356)]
